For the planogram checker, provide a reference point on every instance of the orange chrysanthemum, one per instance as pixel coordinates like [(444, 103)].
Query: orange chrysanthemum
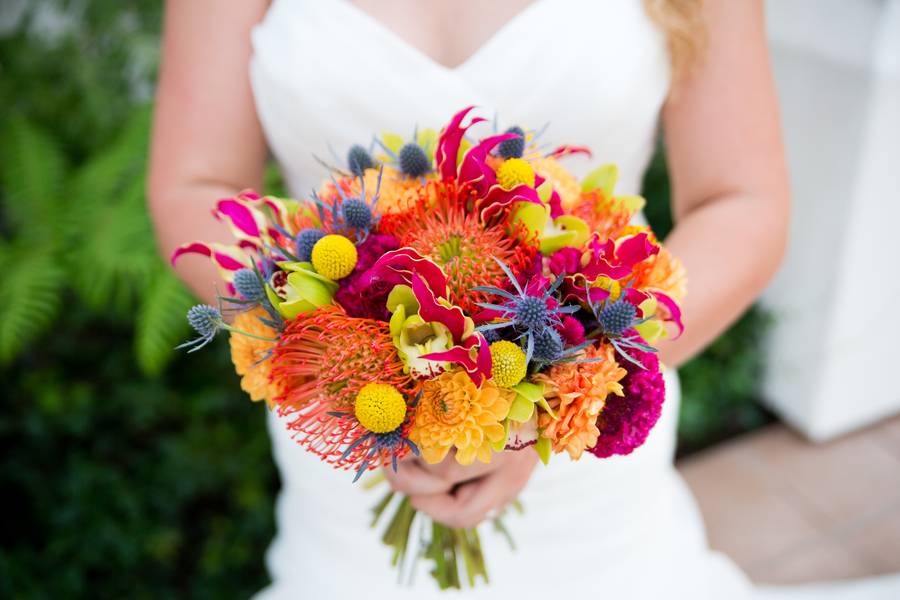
[(440, 227), (560, 178), (398, 193), (323, 360), (455, 413), (250, 356), (605, 215), (663, 272), (577, 391)]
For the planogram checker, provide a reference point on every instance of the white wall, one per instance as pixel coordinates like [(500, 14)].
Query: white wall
[(834, 355)]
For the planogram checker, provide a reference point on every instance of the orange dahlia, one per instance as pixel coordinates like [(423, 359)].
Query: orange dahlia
[(323, 360), (663, 272), (605, 215), (565, 184), (440, 227), (576, 391), (250, 356), (455, 413)]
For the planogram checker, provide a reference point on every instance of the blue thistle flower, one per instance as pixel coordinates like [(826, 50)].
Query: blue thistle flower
[(532, 316), (613, 320), (515, 147), (413, 160), (249, 285), (548, 346), (359, 159), (356, 213), (305, 240), (531, 312), (207, 322), (617, 317)]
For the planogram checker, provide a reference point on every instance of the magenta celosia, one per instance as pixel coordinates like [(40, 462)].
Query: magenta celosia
[(571, 330), (565, 260), (367, 301), (626, 420)]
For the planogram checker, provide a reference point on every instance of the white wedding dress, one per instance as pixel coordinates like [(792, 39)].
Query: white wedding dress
[(326, 74)]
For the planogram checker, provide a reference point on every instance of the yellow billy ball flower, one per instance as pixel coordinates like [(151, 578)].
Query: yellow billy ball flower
[(334, 257), (513, 172), (508, 366), (380, 408)]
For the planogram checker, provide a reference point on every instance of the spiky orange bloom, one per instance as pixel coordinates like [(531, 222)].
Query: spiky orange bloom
[(250, 356), (440, 227), (603, 214), (454, 412), (322, 360), (663, 272), (577, 393), (560, 178)]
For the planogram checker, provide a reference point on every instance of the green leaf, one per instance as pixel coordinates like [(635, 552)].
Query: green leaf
[(30, 296), (521, 410), (603, 177), (392, 141), (543, 448), (531, 391), (160, 324), (32, 173)]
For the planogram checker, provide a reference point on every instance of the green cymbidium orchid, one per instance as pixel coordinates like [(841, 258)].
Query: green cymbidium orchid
[(553, 234), (304, 290), (652, 329), (413, 336)]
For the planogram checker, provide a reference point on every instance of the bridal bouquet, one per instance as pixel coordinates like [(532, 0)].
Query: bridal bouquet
[(447, 297)]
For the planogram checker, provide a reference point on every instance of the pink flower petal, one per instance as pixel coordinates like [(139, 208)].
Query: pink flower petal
[(191, 248), (567, 150)]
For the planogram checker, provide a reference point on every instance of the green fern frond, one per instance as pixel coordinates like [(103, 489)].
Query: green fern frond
[(117, 255), (32, 175), (160, 323), (113, 253), (30, 295)]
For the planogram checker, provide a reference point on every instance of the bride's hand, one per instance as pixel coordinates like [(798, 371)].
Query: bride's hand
[(463, 496)]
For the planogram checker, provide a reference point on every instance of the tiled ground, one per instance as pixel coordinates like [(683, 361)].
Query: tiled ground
[(788, 511)]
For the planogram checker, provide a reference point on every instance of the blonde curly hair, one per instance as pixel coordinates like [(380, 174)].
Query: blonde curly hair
[(685, 28)]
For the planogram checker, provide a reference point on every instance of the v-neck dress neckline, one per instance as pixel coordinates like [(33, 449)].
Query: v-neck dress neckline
[(509, 28)]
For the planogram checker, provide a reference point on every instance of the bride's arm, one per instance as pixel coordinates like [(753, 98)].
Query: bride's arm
[(207, 142), (729, 182)]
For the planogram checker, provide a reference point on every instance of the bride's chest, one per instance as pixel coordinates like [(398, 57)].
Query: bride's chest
[(447, 31)]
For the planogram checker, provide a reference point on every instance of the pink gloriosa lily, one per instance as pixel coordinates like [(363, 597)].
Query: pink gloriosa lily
[(429, 286)]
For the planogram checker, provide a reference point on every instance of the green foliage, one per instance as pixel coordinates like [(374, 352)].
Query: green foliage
[(118, 486), (32, 175), (124, 474)]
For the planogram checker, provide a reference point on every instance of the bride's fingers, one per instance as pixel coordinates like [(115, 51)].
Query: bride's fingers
[(469, 505), (451, 471), (412, 479)]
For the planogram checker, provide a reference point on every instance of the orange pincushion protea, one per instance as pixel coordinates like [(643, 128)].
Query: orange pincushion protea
[(454, 412), (577, 391), (249, 356), (323, 360), (440, 227)]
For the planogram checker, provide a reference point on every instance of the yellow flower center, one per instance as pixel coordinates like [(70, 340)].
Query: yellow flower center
[(334, 257), (380, 408), (610, 285), (513, 172), (508, 365)]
